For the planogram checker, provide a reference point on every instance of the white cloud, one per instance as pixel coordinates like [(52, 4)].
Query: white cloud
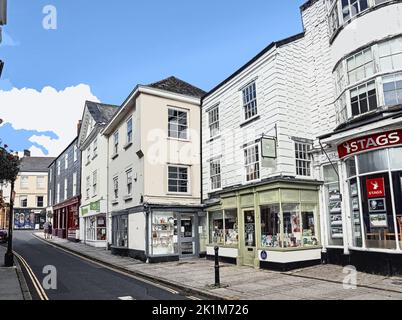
[(46, 110)]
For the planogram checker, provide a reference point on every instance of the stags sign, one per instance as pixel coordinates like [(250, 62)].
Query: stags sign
[(375, 188), (375, 141)]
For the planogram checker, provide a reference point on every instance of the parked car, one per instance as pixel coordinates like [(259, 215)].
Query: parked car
[(3, 235)]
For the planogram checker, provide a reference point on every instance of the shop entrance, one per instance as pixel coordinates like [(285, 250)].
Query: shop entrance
[(187, 243), (249, 249)]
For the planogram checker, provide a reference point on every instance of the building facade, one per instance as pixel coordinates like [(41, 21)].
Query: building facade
[(65, 192), (94, 149), (31, 188), (5, 192), (260, 186), (361, 166), (154, 173)]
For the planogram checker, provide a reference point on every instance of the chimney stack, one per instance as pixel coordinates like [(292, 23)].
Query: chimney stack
[(79, 127), (27, 153)]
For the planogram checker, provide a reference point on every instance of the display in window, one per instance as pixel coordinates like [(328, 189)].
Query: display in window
[(336, 219), (378, 220), (231, 228), (309, 238), (291, 224), (217, 228), (249, 228), (377, 205), (163, 229), (337, 232), (270, 227)]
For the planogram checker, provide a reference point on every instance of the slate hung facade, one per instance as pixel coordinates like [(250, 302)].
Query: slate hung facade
[(65, 192)]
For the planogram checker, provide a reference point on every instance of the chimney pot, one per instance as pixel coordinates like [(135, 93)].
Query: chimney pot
[(27, 153)]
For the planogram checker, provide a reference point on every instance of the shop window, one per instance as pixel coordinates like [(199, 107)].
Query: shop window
[(203, 232), (303, 159), (90, 228), (178, 124), (364, 98), (360, 66), (164, 233), (231, 227), (101, 228), (334, 205), (213, 117), (393, 89), (390, 53), (216, 227), (291, 226), (250, 101), (355, 212), (395, 155), (351, 8), (252, 163), (351, 167), (397, 184), (373, 161), (309, 231), (120, 231), (270, 226), (249, 228)]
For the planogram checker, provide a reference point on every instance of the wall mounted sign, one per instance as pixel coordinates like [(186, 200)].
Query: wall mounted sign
[(268, 148), (375, 188), (377, 205), (371, 142)]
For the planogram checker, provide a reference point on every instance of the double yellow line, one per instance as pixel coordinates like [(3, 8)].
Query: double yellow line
[(38, 287)]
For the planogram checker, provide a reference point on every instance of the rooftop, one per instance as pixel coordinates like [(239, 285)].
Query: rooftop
[(176, 85), (35, 164), (102, 113)]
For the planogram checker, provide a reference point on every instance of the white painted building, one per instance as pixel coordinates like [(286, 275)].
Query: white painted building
[(362, 198), (259, 128), (154, 173), (94, 175)]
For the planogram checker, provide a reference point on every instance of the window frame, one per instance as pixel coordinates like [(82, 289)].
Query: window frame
[(212, 162), (308, 160), (367, 96), (214, 125), (116, 142), (24, 183), (129, 191), (249, 101), (129, 136), (257, 162), (177, 123), (178, 180), (37, 202), (23, 198), (95, 183), (116, 188)]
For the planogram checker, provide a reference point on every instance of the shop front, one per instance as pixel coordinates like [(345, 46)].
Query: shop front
[(159, 233), (93, 224), (24, 219), (370, 175), (66, 220), (273, 225)]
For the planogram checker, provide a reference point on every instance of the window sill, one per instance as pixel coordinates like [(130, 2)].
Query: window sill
[(179, 194), (249, 121), (128, 145), (115, 202), (179, 140), (128, 198), (115, 156), (214, 138)]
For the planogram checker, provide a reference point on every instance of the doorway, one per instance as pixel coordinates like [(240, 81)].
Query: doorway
[(249, 245), (186, 234)]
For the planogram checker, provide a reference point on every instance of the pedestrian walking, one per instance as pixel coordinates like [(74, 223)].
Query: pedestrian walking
[(46, 229), (50, 230)]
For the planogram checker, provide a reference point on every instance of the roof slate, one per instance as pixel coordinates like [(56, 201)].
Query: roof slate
[(35, 164), (175, 85), (102, 113)]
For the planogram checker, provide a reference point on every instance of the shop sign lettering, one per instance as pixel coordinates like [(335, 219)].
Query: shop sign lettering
[(376, 141)]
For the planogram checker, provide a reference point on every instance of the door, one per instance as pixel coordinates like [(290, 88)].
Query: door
[(187, 238), (249, 249)]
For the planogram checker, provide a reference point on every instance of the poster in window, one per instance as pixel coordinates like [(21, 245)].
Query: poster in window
[(337, 232), (375, 188), (377, 205), (335, 207), (353, 190), (379, 220), (336, 219)]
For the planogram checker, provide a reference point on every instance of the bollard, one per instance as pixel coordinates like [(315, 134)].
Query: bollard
[(217, 277)]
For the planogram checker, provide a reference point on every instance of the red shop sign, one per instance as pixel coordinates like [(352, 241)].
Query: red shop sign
[(375, 188), (375, 141)]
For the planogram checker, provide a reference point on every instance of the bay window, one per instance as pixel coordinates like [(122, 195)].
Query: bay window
[(392, 89), (351, 8), (223, 226), (390, 53), (364, 98), (360, 66)]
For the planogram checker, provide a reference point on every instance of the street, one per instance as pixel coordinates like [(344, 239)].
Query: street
[(78, 279)]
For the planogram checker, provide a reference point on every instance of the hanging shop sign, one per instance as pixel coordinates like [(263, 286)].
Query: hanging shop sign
[(268, 149), (375, 188), (371, 142)]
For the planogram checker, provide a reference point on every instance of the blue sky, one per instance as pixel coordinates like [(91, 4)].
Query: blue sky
[(111, 46)]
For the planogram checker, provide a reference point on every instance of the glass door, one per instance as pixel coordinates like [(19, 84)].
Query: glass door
[(187, 236), (249, 250)]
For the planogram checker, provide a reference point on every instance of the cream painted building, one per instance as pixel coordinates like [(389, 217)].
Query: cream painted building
[(31, 189), (154, 173), (94, 196)]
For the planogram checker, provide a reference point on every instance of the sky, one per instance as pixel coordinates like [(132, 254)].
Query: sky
[(59, 53)]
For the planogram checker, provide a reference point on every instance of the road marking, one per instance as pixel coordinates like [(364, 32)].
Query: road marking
[(110, 268), (193, 298), (38, 287), (128, 298)]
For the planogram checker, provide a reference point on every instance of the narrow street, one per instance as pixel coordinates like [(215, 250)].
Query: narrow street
[(78, 279)]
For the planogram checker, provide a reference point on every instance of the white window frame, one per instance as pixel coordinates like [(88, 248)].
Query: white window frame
[(95, 147), (128, 182), (89, 154), (392, 78), (365, 66), (350, 7), (66, 161), (95, 183), (177, 180), (116, 188), (299, 148), (212, 176), (75, 183), (116, 142), (129, 136), (176, 122), (249, 101), (257, 162), (58, 193), (24, 182), (75, 153), (390, 54), (357, 88), (23, 197), (88, 187), (65, 188), (50, 200), (41, 185), (214, 121), (58, 167)]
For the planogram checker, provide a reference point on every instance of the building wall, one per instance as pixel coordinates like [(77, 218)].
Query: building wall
[(160, 150), (31, 190)]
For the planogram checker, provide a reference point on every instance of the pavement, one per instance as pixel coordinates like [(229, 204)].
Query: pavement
[(12, 282), (196, 276)]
